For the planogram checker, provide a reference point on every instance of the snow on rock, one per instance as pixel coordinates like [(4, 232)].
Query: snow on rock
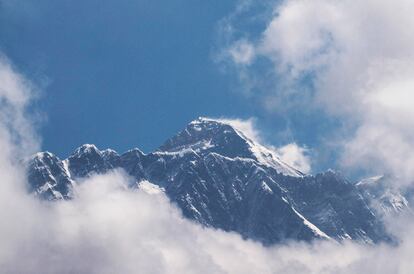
[(313, 227), (266, 188), (217, 135)]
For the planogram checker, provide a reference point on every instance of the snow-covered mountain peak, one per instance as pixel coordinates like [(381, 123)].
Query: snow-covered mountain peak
[(243, 128), (208, 135), (85, 149), (136, 151), (42, 156), (89, 159), (229, 138), (108, 153)]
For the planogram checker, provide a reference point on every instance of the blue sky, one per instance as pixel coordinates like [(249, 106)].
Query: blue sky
[(119, 76), (319, 74), (134, 74)]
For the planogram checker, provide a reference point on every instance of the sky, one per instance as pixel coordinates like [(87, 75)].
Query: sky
[(119, 76), (324, 88), (132, 76)]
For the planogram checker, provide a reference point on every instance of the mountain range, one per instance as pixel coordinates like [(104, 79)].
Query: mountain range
[(220, 177)]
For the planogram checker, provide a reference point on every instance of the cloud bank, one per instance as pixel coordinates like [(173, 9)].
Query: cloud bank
[(352, 59), (110, 229)]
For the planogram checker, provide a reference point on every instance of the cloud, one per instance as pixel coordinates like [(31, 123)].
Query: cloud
[(247, 127), (296, 156), (110, 229), (15, 94), (355, 61), (242, 52)]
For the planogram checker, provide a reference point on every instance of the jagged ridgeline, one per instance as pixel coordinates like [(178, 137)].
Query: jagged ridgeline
[(220, 178)]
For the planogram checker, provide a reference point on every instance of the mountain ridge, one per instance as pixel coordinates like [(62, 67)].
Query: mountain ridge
[(221, 178)]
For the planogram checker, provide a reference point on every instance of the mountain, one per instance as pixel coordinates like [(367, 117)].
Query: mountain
[(221, 178), (384, 197)]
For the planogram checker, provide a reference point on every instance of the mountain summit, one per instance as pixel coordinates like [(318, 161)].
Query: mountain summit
[(206, 135), (220, 177)]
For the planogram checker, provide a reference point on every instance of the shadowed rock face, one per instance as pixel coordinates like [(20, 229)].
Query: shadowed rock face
[(220, 178)]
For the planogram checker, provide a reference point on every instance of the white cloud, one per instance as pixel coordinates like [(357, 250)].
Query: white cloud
[(15, 94), (295, 156), (109, 229), (247, 127), (359, 56)]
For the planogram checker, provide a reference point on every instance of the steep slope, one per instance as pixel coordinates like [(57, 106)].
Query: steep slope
[(221, 178), (49, 177)]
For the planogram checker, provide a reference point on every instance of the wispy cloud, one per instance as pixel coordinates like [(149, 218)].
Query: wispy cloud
[(242, 52), (296, 156), (15, 95)]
